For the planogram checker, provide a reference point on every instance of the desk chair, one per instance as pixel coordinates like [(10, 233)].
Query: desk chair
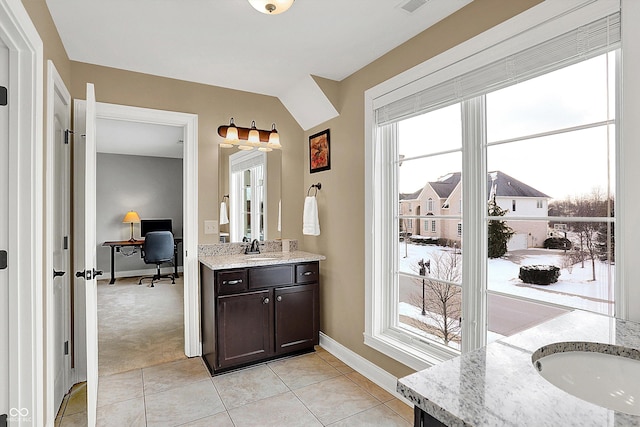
[(158, 249)]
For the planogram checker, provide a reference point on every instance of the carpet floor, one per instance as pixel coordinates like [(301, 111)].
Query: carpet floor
[(139, 326)]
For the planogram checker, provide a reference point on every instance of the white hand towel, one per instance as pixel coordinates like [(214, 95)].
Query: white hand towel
[(224, 218), (310, 221)]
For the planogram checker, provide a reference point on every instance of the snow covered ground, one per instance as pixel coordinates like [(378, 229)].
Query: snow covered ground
[(573, 289)]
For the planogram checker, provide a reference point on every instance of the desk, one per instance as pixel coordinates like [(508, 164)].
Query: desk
[(117, 245)]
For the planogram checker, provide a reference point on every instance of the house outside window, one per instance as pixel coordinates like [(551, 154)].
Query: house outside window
[(506, 149), (433, 226), (430, 205)]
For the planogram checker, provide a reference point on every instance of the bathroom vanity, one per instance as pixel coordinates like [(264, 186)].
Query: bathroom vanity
[(500, 384), (258, 307)]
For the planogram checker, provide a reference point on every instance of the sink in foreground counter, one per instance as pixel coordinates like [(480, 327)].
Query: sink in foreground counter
[(602, 374)]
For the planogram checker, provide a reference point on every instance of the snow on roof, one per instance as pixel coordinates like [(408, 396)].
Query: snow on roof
[(498, 184)]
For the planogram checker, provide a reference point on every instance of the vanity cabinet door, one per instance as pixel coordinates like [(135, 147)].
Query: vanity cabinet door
[(243, 328), (297, 317)]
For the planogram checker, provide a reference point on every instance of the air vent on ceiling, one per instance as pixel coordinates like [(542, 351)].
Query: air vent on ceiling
[(412, 5)]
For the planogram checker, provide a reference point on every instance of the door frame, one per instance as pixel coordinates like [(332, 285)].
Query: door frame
[(26, 371), (54, 84), (189, 122)]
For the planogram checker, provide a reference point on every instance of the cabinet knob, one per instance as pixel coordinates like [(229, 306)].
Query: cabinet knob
[(265, 301), (232, 282), (307, 273), (279, 298)]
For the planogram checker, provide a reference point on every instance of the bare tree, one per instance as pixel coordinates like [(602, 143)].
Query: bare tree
[(595, 204), (442, 300)]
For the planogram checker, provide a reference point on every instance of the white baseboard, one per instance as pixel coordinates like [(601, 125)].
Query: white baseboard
[(142, 272), (361, 365)]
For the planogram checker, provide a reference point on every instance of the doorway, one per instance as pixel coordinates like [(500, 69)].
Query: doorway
[(188, 122), (139, 168)]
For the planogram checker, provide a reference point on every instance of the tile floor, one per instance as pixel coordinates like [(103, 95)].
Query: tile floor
[(316, 389)]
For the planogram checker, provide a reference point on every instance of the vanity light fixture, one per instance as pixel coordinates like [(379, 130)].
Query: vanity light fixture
[(271, 7), (249, 138)]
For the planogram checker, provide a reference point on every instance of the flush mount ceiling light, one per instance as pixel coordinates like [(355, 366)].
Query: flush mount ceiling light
[(271, 7)]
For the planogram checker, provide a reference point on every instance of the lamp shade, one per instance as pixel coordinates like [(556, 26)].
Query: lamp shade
[(132, 217), (271, 7)]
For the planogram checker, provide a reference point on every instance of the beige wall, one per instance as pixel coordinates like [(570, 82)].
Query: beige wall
[(341, 201), (214, 106)]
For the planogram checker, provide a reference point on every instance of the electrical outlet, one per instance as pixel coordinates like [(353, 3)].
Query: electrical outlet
[(211, 227)]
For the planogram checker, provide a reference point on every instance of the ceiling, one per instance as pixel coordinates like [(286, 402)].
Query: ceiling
[(139, 139), (229, 44)]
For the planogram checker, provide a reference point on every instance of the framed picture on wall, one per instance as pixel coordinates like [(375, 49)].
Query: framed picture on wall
[(319, 152)]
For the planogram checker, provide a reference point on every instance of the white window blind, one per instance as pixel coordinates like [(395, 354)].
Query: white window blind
[(580, 44)]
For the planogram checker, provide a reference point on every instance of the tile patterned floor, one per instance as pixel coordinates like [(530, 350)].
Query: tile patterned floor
[(316, 389)]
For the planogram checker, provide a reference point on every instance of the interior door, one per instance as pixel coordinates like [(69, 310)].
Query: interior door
[(85, 247), (4, 227), (61, 280)]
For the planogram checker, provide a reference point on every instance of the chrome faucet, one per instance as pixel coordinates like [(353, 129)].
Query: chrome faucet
[(254, 248)]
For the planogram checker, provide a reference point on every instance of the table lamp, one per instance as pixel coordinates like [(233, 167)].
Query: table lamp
[(131, 217)]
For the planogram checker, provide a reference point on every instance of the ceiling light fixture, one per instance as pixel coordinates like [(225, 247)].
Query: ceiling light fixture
[(249, 138), (271, 7)]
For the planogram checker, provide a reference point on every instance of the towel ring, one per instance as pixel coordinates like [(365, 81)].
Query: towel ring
[(317, 187)]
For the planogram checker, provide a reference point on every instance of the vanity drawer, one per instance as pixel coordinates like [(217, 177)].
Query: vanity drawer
[(307, 273), (269, 276), (232, 281)]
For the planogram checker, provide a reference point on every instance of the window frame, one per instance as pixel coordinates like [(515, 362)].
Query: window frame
[(540, 23)]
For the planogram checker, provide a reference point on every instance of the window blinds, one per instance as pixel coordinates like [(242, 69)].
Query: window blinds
[(574, 46)]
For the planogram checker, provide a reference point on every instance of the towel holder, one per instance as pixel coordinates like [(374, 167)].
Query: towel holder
[(226, 196), (317, 187)]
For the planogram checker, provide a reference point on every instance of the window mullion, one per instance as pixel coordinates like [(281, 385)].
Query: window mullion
[(474, 230)]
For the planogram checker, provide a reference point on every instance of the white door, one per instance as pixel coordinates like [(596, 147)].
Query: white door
[(85, 247), (4, 227), (62, 270)]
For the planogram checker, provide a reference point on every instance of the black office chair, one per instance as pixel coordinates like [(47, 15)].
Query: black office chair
[(158, 249)]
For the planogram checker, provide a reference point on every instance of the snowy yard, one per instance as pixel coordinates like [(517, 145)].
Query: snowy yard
[(573, 289)]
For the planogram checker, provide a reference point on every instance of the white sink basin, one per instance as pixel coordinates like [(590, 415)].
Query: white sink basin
[(606, 380)]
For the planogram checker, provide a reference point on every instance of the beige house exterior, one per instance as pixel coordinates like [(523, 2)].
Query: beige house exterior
[(443, 198)]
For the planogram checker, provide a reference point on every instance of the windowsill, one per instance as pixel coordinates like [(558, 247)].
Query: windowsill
[(407, 353)]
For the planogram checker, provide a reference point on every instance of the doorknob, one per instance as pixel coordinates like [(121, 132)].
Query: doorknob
[(89, 274), (84, 274), (58, 273)]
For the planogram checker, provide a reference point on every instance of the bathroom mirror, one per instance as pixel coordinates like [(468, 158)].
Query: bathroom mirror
[(252, 181)]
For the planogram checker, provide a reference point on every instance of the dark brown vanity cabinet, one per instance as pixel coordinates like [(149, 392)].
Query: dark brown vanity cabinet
[(258, 313)]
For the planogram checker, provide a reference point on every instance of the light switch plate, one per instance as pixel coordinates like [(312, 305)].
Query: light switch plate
[(211, 227)]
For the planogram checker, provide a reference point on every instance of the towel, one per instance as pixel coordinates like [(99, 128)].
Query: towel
[(310, 221), (224, 218), (280, 215)]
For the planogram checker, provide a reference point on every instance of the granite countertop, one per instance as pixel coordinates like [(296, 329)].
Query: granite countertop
[(220, 262), (498, 385)]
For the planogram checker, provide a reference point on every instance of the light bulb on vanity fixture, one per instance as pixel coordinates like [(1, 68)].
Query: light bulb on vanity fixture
[(249, 138), (271, 7)]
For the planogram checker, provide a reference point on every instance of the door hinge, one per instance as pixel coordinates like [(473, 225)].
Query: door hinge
[(65, 242), (67, 135), (3, 95), (66, 348), (3, 260)]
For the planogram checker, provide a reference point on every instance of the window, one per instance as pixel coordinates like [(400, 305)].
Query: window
[(435, 136), (430, 205), (433, 226)]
